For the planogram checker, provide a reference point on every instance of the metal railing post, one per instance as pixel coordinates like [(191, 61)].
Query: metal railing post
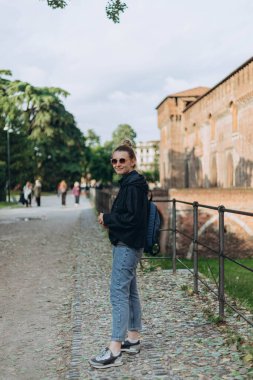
[(195, 246), (174, 235), (221, 262)]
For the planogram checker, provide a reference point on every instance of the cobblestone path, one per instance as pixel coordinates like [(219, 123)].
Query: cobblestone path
[(177, 341)]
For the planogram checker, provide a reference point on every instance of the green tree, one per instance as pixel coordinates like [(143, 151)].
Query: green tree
[(113, 8), (151, 176), (97, 158), (121, 133), (46, 141), (3, 156), (51, 131), (40, 108), (91, 138), (7, 112), (99, 165), (62, 156)]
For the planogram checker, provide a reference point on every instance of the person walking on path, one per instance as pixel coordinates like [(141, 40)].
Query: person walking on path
[(27, 190), (127, 223), (82, 185), (76, 192), (37, 191), (62, 191)]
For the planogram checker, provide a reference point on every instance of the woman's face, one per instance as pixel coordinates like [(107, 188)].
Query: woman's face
[(122, 163)]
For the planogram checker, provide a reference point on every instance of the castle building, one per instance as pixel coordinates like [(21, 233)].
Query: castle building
[(207, 134)]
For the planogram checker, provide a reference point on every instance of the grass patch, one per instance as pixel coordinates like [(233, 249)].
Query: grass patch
[(211, 316), (7, 204), (238, 281), (14, 197)]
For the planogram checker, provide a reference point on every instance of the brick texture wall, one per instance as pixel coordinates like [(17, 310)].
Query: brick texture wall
[(238, 228), (209, 142)]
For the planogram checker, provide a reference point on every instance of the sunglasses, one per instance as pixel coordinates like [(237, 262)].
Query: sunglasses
[(114, 161)]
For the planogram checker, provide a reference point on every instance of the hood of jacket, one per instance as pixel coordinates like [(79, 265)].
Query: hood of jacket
[(135, 179)]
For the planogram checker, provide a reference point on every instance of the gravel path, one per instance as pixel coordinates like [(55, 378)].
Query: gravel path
[(36, 284), (55, 311)]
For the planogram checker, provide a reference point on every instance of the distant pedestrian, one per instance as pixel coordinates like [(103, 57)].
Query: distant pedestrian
[(62, 191), (21, 193), (87, 190), (27, 191), (82, 185), (76, 192), (37, 191), (21, 197), (127, 223)]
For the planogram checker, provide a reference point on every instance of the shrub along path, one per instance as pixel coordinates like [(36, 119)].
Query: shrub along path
[(178, 341)]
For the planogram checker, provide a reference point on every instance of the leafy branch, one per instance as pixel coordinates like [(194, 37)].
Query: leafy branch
[(57, 3), (113, 8)]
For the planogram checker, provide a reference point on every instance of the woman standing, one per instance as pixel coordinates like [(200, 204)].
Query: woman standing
[(127, 224)]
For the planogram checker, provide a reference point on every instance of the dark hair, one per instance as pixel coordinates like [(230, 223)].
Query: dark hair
[(126, 146)]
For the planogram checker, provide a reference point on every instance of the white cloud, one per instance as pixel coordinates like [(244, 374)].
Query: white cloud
[(173, 85), (35, 74)]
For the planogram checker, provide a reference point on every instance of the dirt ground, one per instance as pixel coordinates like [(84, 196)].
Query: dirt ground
[(36, 284)]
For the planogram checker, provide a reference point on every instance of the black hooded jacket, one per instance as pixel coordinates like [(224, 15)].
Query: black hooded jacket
[(127, 221)]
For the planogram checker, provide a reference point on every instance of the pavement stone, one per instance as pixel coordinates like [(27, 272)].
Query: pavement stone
[(178, 342)]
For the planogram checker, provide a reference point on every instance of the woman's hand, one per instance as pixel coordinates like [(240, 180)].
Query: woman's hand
[(101, 218)]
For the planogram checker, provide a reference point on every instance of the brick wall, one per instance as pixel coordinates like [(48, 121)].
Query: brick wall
[(233, 198), (219, 126), (239, 228), (210, 141)]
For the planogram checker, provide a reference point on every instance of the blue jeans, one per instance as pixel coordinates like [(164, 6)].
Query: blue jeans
[(126, 307)]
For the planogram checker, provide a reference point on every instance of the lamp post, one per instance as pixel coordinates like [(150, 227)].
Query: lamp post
[(9, 130)]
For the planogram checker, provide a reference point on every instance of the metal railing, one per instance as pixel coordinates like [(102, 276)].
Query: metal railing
[(220, 252), (103, 199)]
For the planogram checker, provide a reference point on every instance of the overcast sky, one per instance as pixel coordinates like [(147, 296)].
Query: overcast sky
[(119, 73)]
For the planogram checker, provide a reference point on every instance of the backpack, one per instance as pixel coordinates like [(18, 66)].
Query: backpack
[(153, 227)]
